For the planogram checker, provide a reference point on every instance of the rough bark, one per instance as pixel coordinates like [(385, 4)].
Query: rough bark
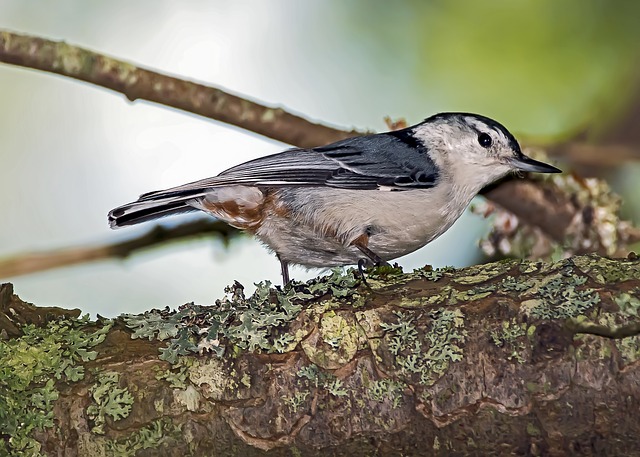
[(508, 358)]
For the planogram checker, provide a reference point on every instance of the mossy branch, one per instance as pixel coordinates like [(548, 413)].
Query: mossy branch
[(436, 362)]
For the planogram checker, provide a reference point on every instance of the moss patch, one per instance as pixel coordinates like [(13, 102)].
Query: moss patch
[(110, 399), (255, 323), (30, 365), (426, 355)]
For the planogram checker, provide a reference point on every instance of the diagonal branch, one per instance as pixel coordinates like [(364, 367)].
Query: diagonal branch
[(39, 261), (138, 83)]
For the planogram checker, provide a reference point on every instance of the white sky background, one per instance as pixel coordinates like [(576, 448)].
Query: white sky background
[(70, 152)]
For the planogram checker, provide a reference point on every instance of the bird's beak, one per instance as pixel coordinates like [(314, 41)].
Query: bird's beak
[(525, 163)]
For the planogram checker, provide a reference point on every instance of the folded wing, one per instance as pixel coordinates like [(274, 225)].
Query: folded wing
[(391, 160)]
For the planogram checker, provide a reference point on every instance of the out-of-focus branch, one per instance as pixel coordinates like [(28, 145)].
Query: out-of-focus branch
[(568, 212), (138, 83), (595, 156), (33, 262), (551, 211)]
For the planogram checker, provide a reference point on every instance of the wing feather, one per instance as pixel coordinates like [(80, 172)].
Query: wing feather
[(394, 159)]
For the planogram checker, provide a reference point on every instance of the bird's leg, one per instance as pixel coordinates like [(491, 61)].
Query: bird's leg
[(284, 270), (361, 265), (362, 243)]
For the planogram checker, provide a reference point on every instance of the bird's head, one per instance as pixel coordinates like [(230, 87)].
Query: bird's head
[(474, 148)]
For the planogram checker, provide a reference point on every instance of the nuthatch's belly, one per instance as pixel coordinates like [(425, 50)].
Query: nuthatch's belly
[(317, 226), (321, 224)]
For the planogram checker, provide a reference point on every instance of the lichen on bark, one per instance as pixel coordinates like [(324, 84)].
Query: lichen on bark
[(536, 357)]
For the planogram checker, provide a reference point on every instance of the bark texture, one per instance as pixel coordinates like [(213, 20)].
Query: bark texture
[(508, 358)]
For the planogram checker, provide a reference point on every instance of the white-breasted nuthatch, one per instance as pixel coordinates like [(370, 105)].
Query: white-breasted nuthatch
[(373, 197)]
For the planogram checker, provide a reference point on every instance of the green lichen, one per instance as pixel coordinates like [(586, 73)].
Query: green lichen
[(336, 388), (438, 297), (246, 380), (608, 271), (339, 283), (385, 271), (533, 430), (241, 323), (475, 293), (628, 303), (481, 273), (336, 341), (561, 297), (284, 343), (629, 348), (382, 390), (246, 323), (511, 284), (213, 378), (109, 400), (512, 337), (338, 332), (369, 321), (528, 266), (177, 375), (426, 354), (621, 327), (312, 376), (160, 433), (294, 403), (189, 397), (29, 368), (431, 274)]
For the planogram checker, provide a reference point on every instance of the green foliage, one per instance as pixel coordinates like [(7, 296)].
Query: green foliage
[(110, 400), (29, 368)]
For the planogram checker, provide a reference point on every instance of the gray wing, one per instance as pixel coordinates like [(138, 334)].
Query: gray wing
[(393, 159)]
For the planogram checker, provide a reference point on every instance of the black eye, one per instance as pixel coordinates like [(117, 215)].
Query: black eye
[(485, 140)]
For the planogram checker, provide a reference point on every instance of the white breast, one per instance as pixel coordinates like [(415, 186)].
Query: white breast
[(324, 221)]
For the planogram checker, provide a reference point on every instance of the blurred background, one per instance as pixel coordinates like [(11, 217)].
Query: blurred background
[(69, 152)]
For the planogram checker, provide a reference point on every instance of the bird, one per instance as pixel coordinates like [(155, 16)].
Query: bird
[(363, 200)]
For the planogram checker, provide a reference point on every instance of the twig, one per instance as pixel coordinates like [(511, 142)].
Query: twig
[(138, 83), (30, 263)]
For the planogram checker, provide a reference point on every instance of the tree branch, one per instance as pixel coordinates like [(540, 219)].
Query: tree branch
[(138, 83), (485, 360), (32, 262)]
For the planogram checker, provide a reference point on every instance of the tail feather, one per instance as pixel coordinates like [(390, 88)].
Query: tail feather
[(149, 208)]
